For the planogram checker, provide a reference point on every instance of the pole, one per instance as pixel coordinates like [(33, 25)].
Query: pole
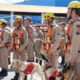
[(42, 20), (12, 15)]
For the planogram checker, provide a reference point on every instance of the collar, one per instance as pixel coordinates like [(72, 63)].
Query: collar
[(73, 20)]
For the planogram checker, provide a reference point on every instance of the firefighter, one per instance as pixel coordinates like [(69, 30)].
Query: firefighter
[(38, 42), (63, 36), (4, 41), (29, 29), (9, 48), (51, 41), (19, 42), (73, 15)]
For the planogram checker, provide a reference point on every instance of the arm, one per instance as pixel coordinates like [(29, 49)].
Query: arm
[(74, 49), (25, 40), (5, 38), (71, 32), (31, 33), (55, 39)]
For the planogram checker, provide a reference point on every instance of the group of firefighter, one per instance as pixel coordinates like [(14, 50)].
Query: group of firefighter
[(54, 41)]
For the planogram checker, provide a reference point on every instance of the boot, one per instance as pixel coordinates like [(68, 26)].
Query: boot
[(3, 73), (9, 62), (63, 60), (51, 78), (40, 62), (16, 76), (60, 74), (36, 60), (25, 77)]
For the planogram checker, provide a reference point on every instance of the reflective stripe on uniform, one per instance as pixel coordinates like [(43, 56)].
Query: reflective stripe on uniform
[(18, 43), (47, 41), (67, 48)]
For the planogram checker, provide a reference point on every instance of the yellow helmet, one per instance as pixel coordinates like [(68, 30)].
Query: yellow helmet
[(74, 4), (18, 18), (3, 21), (49, 15)]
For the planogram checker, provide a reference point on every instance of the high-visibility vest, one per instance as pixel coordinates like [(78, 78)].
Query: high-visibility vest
[(18, 43), (47, 41), (1, 39), (67, 45)]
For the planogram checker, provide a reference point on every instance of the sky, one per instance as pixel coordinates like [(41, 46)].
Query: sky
[(10, 1)]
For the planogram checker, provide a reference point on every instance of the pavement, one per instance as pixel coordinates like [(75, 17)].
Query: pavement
[(11, 73)]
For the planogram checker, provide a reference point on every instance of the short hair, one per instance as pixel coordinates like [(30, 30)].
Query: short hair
[(77, 11)]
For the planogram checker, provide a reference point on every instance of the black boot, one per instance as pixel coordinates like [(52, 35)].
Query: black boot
[(3, 73), (63, 60), (16, 76), (51, 78), (40, 62), (9, 62), (25, 77), (36, 60)]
